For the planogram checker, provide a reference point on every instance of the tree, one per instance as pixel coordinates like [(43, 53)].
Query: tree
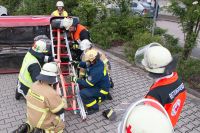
[(188, 12)]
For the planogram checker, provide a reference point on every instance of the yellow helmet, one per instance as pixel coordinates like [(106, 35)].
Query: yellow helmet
[(91, 55)]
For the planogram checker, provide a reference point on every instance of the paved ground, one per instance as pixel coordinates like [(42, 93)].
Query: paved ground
[(130, 84)]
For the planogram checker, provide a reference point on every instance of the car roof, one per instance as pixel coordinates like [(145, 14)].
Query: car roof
[(20, 21)]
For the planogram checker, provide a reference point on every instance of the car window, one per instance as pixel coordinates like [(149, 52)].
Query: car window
[(134, 4)]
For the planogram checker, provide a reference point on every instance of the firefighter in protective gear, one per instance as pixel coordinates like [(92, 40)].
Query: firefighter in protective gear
[(60, 10), (31, 66), (141, 117), (168, 89), (77, 33), (96, 85), (45, 110), (86, 45)]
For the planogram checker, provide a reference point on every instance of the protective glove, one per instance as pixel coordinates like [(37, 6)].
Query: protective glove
[(73, 79), (75, 46), (74, 63)]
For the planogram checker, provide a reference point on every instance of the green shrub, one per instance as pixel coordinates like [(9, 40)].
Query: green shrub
[(137, 41), (189, 70)]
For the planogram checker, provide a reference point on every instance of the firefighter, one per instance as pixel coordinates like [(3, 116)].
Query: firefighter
[(168, 89), (96, 86), (60, 10), (45, 108), (141, 117), (86, 45), (31, 66), (77, 34)]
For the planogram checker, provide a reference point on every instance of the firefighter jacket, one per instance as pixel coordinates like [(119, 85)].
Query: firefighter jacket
[(80, 34), (103, 58), (42, 105), (57, 14), (97, 76), (171, 93)]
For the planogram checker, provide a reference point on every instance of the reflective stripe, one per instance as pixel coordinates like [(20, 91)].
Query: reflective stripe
[(99, 101), (58, 108), (104, 92), (105, 61), (37, 108), (44, 111), (104, 71), (110, 113), (89, 82), (91, 104), (36, 96)]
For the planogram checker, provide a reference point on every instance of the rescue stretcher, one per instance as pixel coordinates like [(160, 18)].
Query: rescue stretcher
[(17, 38)]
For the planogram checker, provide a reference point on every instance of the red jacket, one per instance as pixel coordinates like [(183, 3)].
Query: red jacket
[(171, 93)]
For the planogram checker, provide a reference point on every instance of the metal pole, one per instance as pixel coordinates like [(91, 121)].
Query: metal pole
[(154, 18)]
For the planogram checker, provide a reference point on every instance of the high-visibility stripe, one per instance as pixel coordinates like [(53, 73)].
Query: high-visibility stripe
[(91, 104), (104, 71), (89, 82), (104, 92), (99, 101), (37, 108), (58, 108), (41, 120), (110, 113), (36, 96), (44, 111)]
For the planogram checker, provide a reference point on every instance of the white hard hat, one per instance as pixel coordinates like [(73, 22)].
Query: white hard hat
[(85, 44), (49, 73), (144, 118), (153, 57), (40, 46), (67, 23), (91, 55), (60, 3)]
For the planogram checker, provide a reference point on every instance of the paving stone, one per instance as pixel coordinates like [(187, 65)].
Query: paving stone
[(130, 84)]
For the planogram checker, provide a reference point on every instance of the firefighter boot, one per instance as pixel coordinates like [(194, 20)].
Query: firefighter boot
[(109, 97), (24, 128), (17, 95)]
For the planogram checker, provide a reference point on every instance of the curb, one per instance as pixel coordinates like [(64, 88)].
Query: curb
[(167, 18)]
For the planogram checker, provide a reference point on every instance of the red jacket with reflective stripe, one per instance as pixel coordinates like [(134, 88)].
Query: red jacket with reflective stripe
[(171, 93)]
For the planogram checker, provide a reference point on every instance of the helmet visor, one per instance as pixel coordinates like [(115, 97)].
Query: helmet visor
[(140, 53)]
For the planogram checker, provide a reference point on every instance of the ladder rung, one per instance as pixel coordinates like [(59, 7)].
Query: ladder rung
[(66, 63), (62, 38), (65, 74), (60, 46), (63, 54), (70, 96)]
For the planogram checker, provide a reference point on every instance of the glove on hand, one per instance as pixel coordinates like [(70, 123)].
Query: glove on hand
[(74, 63)]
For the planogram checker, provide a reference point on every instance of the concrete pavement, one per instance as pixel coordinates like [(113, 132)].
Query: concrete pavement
[(130, 84)]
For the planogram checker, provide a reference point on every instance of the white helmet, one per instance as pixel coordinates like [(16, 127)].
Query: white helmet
[(40, 46), (60, 3), (85, 44), (67, 23), (144, 118), (154, 57), (49, 73)]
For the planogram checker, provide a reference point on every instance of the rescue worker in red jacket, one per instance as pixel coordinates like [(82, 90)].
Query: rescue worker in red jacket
[(168, 89), (31, 66), (45, 108), (60, 10), (77, 33)]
